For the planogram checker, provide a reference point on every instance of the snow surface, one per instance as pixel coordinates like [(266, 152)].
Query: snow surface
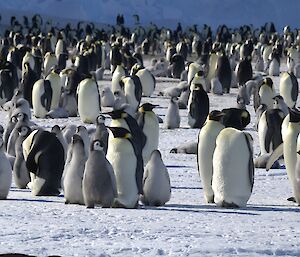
[(185, 226), (161, 12)]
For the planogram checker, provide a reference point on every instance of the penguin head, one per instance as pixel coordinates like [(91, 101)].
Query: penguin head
[(96, 145), (21, 116), (268, 81), (24, 130), (80, 129), (294, 115), (119, 132), (118, 114), (147, 107), (55, 129), (156, 153), (100, 119), (76, 139), (215, 115)]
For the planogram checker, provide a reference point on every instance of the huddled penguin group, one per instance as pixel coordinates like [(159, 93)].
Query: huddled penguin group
[(100, 75)]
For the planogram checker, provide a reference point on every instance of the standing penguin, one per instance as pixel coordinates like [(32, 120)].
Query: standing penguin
[(269, 130), (121, 153), (244, 71), (99, 182), (172, 119), (20, 172), (148, 122), (146, 78), (55, 83), (5, 173), (233, 175), (116, 77), (89, 105), (44, 156), (156, 181), (73, 172), (288, 88), (198, 107), (206, 146), (288, 148), (41, 98), (223, 72), (27, 83), (266, 93)]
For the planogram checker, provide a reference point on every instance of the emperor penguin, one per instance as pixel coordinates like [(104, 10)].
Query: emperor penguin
[(236, 118), (288, 88), (274, 66), (41, 98), (5, 173), (156, 181), (107, 97), (55, 83), (116, 77), (198, 107), (89, 105), (73, 172), (133, 92), (27, 83), (20, 172), (121, 153), (212, 68), (279, 103), (172, 119), (146, 78), (193, 68), (206, 147), (223, 72), (269, 130), (233, 168), (50, 61), (99, 181), (44, 157), (288, 148), (244, 71), (148, 122), (266, 93)]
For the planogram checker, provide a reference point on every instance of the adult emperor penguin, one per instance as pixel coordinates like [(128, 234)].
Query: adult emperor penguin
[(73, 172), (146, 78), (50, 61), (233, 169), (156, 182), (5, 173), (89, 105), (288, 88), (27, 83), (198, 107), (172, 119), (223, 72), (269, 130), (44, 156), (236, 118), (193, 68), (266, 93), (206, 147), (41, 98), (116, 77), (288, 148), (148, 121), (244, 71), (55, 83), (99, 181), (121, 154), (20, 172)]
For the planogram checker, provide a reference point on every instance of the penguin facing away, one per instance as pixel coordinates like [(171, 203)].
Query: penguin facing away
[(156, 181), (289, 88), (233, 169), (99, 182)]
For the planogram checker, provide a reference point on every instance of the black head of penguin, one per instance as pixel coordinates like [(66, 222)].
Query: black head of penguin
[(96, 145), (24, 130), (268, 81), (294, 115), (147, 107), (216, 115), (100, 119), (119, 132), (76, 139), (236, 118), (117, 114)]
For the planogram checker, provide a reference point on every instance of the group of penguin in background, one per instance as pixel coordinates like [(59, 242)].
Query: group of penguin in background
[(120, 164)]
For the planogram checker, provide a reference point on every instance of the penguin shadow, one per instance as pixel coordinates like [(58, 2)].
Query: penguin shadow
[(32, 200), (200, 209), (186, 188), (273, 208)]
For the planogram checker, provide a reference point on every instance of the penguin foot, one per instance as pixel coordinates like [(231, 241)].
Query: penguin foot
[(291, 199), (174, 150), (229, 205), (67, 202), (90, 207)]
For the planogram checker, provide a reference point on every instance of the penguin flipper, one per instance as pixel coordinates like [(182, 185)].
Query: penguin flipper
[(274, 156), (250, 164), (268, 138)]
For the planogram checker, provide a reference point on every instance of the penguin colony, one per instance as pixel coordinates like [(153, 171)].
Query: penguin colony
[(51, 72)]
